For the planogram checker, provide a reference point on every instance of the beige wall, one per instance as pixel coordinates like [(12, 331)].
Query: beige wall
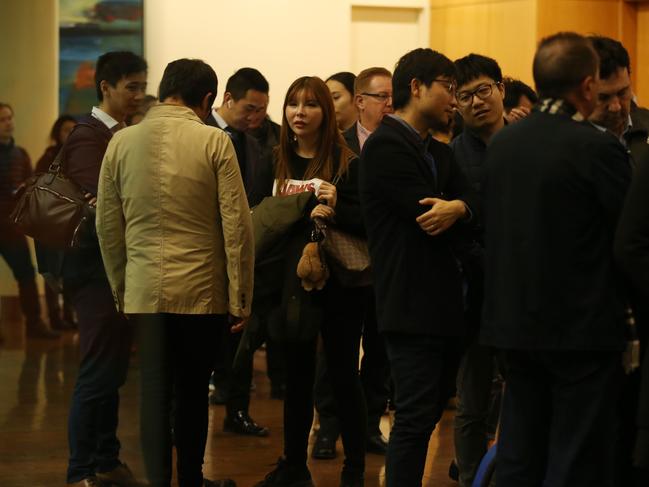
[(502, 30), (284, 39), (28, 79)]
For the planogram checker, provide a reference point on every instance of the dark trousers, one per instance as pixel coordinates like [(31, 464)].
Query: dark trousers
[(176, 360), (423, 369), (558, 425), (478, 408), (374, 372), (341, 332), (105, 338), (15, 252)]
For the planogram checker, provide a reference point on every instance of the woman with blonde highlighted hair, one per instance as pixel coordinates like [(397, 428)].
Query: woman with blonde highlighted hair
[(312, 156)]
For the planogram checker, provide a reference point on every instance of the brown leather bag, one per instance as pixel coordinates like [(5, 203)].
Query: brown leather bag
[(52, 209)]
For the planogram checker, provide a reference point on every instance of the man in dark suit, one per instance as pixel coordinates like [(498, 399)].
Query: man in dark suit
[(105, 336), (615, 112), (246, 94), (554, 188), (373, 99), (414, 199), (632, 252)]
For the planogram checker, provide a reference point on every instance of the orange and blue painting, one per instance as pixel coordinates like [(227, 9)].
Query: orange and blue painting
[(87, 29)]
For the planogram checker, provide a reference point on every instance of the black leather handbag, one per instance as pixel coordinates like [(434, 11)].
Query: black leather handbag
[(52, 209)]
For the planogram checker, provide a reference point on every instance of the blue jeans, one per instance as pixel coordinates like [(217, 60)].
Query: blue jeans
[(423, 368)]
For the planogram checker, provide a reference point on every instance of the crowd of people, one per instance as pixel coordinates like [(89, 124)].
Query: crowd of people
[(507, 231)]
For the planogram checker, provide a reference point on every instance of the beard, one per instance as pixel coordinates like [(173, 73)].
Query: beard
[(615, 122)]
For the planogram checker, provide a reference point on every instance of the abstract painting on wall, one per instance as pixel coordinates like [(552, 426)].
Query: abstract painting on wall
[(88, 29)]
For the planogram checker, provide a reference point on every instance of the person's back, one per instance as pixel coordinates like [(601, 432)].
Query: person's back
[(560, 232), (554, 189), (173, 170)]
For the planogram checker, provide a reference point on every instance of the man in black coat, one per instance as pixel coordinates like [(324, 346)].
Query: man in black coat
[(616, 113), (414, 198), (554, 188), (632, 251), (246, 93)]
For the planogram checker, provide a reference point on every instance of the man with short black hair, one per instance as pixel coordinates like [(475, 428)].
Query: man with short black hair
[(554, 188), (414, 199), (246, 94), (176, 236), (105, 336), (616, 110), (480, 94), (617, 113), (518, 95)]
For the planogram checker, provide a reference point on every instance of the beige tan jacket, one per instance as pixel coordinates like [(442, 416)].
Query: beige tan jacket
[(173, 220)]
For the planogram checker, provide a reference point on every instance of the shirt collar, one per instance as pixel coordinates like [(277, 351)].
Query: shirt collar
[(362, 130), (104, 118), (220, 121)]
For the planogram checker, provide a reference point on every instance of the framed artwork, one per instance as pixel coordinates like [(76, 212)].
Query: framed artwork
[(88, 29)]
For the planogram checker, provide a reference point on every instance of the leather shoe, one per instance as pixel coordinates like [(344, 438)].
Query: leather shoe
[(218, 397), (89, 482), (120, 476), (376, 444), (243, 424), (324, 447)]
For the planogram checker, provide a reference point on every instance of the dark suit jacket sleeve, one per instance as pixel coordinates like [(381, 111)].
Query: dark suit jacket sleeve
[(348, 206), (84, 151), (395, 173), (611, 174), (459, 188), (632, 240)]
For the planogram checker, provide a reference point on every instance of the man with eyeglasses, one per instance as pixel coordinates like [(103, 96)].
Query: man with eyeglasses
[(617, 113), (415, 202), (246, 94), (373, 99), (480, 96)]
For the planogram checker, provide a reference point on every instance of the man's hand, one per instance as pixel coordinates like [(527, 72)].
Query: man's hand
[(442, 215), (91, 199), (327, 192), (237, 324), (517, 114), (323, 211)]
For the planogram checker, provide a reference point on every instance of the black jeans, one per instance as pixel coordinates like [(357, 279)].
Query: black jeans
[(374, 372), (176, 360), (558, 425), (341, 332), (423, 369), (105, 339)]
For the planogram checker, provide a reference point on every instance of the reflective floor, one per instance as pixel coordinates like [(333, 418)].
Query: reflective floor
[(36, 382)]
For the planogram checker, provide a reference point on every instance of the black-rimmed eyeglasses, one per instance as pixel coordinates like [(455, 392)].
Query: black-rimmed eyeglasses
[(465, 98), (382, 97), (449, 85)]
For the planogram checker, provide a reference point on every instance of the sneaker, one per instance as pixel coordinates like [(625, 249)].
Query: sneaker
[(285, 475)]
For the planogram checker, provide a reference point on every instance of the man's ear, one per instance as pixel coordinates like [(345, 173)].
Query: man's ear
[(206, 104), (501, 88), (103, 87), (415, 87), (589, 88), (359, 102)]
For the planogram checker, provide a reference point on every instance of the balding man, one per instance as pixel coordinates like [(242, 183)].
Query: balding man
[(554, 190)]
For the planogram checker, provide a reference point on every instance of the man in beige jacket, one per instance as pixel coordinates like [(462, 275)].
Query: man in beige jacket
[(176, 237)]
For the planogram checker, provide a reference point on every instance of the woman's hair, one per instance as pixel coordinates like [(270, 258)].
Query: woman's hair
[(55, 133), (330, 141), (346, 79)]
